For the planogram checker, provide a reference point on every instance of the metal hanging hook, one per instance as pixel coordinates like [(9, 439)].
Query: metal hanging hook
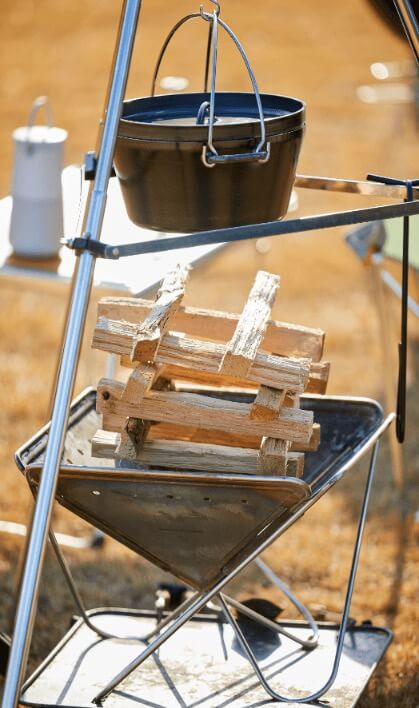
[(402, 349), (209, 153), (207, 15)]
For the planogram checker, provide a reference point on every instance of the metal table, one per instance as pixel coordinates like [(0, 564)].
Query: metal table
[(81, 662)]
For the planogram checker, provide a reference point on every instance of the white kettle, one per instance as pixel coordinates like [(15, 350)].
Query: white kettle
[(36, 224)]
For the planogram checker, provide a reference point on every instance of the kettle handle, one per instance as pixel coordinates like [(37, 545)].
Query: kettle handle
[(39, 102)]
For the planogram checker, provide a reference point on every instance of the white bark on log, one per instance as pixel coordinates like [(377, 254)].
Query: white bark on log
[(280, 338), (172, 454), (150, 331), (277, 372)]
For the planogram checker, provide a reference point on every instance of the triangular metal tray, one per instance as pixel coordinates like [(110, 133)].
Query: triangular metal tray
[(196, 525)]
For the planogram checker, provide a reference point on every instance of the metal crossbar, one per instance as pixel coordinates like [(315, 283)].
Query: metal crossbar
[(244, 233)]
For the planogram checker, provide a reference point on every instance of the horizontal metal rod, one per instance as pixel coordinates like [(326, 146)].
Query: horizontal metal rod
[(243, 233)]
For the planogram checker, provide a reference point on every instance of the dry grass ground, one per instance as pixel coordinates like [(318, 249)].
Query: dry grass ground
[(317, 51)]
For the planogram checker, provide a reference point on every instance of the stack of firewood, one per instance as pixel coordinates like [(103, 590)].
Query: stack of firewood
[(177, 408)]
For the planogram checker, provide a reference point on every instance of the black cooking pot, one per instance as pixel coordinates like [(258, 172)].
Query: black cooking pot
[(172, 179)]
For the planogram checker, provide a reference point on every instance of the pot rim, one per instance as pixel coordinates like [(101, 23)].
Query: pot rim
[(288, 117)]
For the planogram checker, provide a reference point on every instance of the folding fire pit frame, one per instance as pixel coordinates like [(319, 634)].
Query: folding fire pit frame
[(351, 429), (198, 601), (89, 247)]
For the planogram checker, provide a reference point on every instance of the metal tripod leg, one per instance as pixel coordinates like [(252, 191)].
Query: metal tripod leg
[(202, 599), (341, 635), (83, 277), (96, 537)]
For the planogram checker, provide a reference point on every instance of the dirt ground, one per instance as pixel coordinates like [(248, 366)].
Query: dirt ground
[(320, 52)]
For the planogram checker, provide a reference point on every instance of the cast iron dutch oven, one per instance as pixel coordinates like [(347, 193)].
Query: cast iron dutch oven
[(196, 161), (168, 186)]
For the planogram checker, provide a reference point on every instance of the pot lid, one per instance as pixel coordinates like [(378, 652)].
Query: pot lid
[(189, 120), (174, 116)]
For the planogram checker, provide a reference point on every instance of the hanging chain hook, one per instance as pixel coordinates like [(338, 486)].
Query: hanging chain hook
[(207, 15)]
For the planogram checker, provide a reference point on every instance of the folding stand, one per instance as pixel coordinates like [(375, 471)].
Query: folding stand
[(89, 248), (128, 504)]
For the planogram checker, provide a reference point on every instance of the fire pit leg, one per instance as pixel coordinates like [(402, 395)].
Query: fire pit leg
[(310, 643), (268, 572), (341, 635), (82, 609)]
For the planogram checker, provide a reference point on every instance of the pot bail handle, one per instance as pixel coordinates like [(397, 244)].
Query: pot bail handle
[(169, 37), (210, 156)]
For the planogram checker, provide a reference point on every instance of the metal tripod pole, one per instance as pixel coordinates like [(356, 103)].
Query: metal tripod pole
[(409, 20), (82, 283)]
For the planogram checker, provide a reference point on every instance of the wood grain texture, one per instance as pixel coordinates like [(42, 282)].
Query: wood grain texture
[(173, 431), (317, 382), (295, 464), (267, 404), (132, 437), (272, 456), (105, 444), (203, 412), (244, 345), (149, 332), (319, 377), (139, 382), (173, 454), (278, 372), (280, 338), (276, 458), (112, 423)]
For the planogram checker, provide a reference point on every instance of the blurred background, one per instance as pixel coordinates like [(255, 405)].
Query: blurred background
[(319, 52)]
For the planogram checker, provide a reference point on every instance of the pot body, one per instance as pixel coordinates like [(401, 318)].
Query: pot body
[(167, 187)]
